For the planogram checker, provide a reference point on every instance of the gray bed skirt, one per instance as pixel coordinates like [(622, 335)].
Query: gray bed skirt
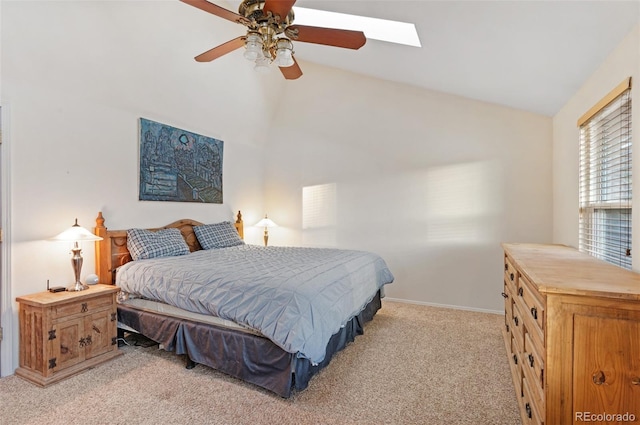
[(252, 358)]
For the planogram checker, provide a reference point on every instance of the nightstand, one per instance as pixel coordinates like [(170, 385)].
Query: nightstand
[(64, 333)]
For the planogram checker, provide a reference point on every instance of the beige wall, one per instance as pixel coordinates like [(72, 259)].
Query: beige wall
[(620, 64), (432, 182)]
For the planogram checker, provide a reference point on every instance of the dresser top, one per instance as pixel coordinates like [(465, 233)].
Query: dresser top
[(559, 269)]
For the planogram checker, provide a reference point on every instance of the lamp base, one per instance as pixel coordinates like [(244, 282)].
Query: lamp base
[(78, 286), (76, 262)]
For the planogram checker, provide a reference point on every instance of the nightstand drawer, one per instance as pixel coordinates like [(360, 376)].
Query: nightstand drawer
[(84, 307)]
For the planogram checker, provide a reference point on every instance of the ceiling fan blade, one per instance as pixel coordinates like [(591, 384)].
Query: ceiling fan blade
[(328, 36), (221, 50), (292, 72), (216, 10), (278, 7)]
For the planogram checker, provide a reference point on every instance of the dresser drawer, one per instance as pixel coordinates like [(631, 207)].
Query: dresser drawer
[(508, 305), (533, 365), (510, 275), (531, 408), (515, 360), (534, 311), (84, 307), (515, 352), (517, 327)]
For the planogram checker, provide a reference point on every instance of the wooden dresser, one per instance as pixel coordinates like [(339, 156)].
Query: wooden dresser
[(572, 334), (64, 333)]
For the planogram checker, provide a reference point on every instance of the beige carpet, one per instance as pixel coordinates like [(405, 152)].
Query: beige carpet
[(413, 365)]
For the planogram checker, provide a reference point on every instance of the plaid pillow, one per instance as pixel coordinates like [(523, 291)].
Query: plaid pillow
[(144, 244), (218, 235)]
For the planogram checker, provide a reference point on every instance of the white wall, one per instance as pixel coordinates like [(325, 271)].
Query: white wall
[(432, 182), (76, 77), (623, 62)]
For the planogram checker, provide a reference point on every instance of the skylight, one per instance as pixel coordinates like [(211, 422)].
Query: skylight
[(377, 29)]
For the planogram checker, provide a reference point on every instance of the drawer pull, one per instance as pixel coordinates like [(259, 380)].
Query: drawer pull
[(507, 327), (511, 276), (516, 321), (534, 312), (506, 267), (635, 381), (527, 407), (515, 359), (599, 378), (520, 291), (531, 360), (505, 295), (84, 308)]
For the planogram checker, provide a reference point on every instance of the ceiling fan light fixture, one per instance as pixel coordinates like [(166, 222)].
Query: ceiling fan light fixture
[(253, 46), (284, 53), (262, 65)]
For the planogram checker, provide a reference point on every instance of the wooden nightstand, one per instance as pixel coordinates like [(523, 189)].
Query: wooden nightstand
[(64, 333)]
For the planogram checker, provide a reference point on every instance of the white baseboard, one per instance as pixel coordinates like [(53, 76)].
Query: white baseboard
[(454, 307)]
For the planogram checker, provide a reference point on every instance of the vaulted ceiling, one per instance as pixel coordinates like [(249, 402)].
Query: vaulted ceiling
[(527, 54)]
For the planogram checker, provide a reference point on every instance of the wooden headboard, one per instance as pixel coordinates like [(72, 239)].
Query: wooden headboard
[(112, 252)]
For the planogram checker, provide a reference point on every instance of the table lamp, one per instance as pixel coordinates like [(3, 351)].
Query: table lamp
[(266, 223), (76, 234)]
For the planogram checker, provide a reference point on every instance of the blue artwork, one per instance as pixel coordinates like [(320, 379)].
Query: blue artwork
[(177, 165)]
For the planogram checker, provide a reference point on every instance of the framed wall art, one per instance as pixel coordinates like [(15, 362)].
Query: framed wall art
[(178, 165)]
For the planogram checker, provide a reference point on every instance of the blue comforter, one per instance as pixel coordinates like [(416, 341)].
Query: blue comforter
[(297, 297)]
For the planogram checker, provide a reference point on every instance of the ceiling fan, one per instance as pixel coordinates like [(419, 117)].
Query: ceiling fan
[(270, 30)]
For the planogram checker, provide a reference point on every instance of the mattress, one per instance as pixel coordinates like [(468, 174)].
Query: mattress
[(178, 313)]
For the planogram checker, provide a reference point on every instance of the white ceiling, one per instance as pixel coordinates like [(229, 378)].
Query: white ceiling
[(527, 54)]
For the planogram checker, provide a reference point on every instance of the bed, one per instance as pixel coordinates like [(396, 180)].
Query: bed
[(271, 316)]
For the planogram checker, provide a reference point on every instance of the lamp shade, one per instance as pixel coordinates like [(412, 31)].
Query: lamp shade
[(76, 233), (262, 65), (266, 222), (284, 53), (253, 45)]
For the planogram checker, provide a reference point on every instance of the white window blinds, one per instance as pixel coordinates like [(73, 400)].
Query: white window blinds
[(605, 178)]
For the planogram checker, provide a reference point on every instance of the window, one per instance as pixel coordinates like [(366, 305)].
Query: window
[(605, 178)]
